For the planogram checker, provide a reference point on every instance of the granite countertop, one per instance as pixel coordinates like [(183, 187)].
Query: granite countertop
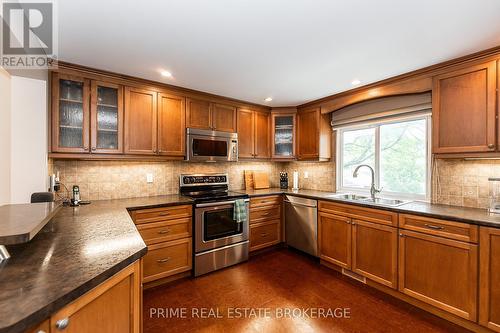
[(21, 222), (454, 213), (77, 250)]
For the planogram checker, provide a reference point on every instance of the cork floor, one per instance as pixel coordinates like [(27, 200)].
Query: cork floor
[(280, 291)]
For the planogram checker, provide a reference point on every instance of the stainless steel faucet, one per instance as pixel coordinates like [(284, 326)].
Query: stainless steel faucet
[(373, 189)]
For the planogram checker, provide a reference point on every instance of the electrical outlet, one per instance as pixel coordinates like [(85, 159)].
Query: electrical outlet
[(149, 177), (306, 174)]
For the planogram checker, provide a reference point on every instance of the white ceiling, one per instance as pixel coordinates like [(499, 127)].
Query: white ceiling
[(292, 50)]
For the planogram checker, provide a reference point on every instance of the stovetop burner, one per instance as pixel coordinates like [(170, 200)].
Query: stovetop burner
[(208, 187)]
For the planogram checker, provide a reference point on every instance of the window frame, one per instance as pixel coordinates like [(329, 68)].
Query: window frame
[(376, 125)]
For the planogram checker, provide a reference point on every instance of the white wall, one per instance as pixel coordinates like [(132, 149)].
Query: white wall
[(28, 138), (5, 108)]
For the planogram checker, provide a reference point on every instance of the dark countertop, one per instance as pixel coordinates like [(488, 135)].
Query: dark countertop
[(20, 223), (454, 213), (77, 250)]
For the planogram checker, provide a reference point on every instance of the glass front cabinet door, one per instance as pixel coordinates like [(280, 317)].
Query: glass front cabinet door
[(283, 135), (87, 115)]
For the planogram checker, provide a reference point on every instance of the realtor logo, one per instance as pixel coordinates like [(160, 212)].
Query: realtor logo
[(28, 34)]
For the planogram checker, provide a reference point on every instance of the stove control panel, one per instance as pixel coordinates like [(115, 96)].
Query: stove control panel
[(208, 179)]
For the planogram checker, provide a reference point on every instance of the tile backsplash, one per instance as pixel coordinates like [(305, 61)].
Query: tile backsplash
[(463, 183), (117, 179), (321, 175)]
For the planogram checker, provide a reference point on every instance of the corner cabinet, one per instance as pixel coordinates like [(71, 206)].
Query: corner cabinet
[(253, 134), (464, 110), (314, 135), (210, 116)]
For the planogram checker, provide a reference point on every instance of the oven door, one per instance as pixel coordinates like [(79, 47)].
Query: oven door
[(215, 226)]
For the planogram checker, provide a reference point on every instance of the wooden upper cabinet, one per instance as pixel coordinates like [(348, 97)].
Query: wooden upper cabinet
[(106, 118), (70, 114), (489, 288), (283, 135), (211, 116), (171, 125), (140, 121), (262, 135), (380, 265), (464, 109), (253, 134), (246, 140), (198, 114), (314, 135), (223, 118), (334, 238), (439, 271)]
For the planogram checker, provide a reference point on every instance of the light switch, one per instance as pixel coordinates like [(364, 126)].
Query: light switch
[(306, 174), (149, 177)]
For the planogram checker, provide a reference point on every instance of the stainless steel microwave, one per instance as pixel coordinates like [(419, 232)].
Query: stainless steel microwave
[(211, 146)]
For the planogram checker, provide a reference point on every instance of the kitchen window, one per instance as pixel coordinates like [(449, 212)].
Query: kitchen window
[(398, 150)]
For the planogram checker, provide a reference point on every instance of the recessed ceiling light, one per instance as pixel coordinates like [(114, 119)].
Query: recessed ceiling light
[(268, 99), (166, 74), (355, 82)]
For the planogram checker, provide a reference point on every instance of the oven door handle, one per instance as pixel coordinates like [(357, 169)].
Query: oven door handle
[(220, 203)]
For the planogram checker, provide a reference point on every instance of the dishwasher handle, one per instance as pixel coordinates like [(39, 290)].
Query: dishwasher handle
[(299, 204)]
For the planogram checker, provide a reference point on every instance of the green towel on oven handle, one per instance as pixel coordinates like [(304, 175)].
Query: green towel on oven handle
[(240, 210)]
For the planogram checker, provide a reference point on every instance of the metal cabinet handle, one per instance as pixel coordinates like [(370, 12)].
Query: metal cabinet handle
[(353, 223), (348, 222), (433, 227), (266, 214), (61, 324), (401, 235), (94, 148), (491, 146), (164, 260), (264, 234), (164, 214), (41, 331), (86, 148), (162, 232)]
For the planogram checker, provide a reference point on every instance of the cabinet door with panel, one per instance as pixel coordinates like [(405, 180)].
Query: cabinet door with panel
[(262, 133), (335, 239), (464, 109), (112, 307), (106, 118), (198, 114), (283, 135), (140, 121), (489, 287), (70, 114), (171, 125), (439, 271), (246, 133), (223, 118), (375, 252), (314, 135)]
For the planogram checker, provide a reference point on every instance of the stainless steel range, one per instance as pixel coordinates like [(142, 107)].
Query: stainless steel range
[(219, 239)]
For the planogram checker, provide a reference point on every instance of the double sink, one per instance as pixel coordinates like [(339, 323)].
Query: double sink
[(368, 200)]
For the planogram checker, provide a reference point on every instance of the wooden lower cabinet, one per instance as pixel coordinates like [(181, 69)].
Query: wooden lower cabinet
[(489, 278), (168, 233), (112, 307), (265, 222), (375, 252), (439, 271), (335, 239), (166, 259)]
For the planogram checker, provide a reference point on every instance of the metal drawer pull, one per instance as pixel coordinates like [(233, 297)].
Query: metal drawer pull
[(266, 214), (61, 324), (433, 227), (162, 232), (264, 234), (164, 214), (164, 260)]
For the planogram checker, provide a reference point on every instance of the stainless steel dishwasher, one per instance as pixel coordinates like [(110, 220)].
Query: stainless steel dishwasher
[(301, 224)]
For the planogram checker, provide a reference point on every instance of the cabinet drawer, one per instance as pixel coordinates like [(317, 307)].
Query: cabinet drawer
[(158, 232), (165, 259), (453, 230), (264, 235), (161, 214), (366, 214), (265, 201), (258, 215)]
